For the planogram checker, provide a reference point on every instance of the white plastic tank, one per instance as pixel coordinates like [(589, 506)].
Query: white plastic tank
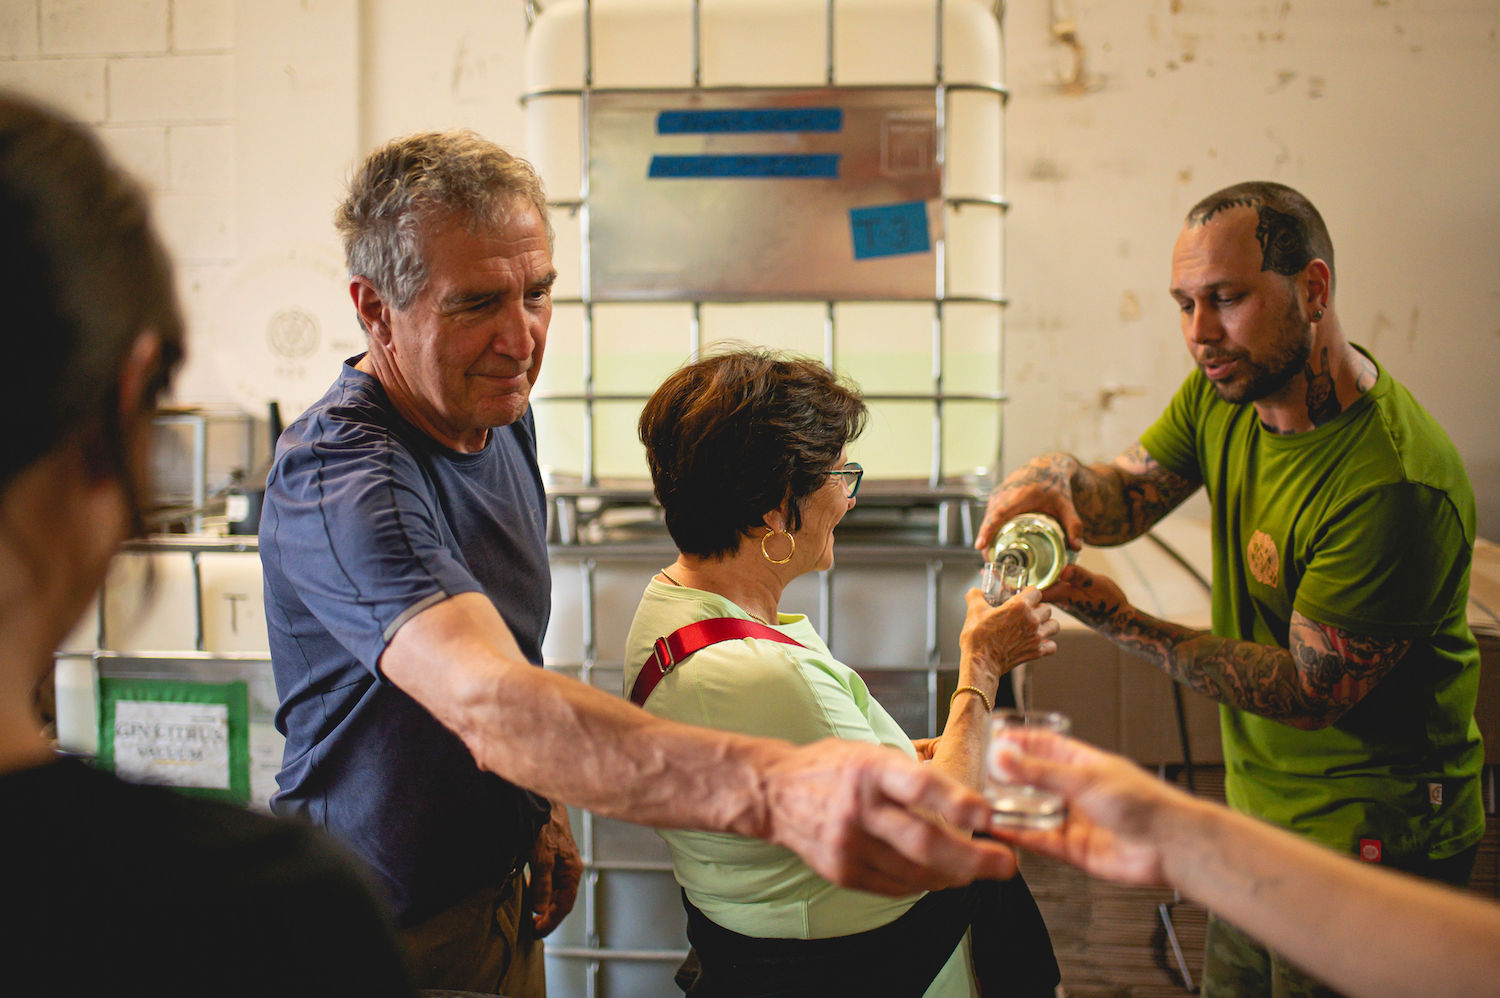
[(823, 177), (922, 113)]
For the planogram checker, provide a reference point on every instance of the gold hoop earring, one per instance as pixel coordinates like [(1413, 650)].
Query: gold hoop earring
[(771, 531)]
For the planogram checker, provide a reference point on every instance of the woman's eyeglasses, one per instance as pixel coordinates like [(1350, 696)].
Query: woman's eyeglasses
[(849, 476)]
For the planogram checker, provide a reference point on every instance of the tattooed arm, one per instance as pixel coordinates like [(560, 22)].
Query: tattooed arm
[(1326, 671), (1102, 504)]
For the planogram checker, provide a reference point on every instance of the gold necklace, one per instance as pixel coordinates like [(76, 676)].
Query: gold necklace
[(679, 585)]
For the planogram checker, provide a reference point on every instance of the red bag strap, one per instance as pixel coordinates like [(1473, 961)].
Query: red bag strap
[(672, 649)]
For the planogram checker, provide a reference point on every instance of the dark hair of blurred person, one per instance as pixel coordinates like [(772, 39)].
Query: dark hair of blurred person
[(84, 276), (116, 888)]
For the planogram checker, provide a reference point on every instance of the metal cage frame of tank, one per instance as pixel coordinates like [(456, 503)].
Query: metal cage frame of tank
[(920, 535)]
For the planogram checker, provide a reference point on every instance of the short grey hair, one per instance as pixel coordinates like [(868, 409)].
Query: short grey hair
[(408, 182)]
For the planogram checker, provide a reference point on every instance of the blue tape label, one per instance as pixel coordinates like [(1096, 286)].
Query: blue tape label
[(771, 119), (890, 229), (745, 165)]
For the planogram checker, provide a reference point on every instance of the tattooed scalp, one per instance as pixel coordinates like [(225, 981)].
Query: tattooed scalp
[(1290, 230)]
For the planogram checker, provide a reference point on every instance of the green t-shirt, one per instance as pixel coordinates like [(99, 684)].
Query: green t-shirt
[(1365, 523), (774, 690)]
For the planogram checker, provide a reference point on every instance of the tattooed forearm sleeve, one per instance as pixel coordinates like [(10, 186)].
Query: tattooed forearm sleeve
[(1122, 500), (1099, 504), (1326, 671), (1338, 665)]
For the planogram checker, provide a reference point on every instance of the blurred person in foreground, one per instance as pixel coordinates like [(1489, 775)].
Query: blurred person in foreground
[(1343, 528), (403, 544), (748, 453), (1366, 931), (114, 888)]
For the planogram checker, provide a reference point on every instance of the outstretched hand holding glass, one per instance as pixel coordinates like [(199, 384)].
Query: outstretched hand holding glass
[(1018, 803), (1329, 913)]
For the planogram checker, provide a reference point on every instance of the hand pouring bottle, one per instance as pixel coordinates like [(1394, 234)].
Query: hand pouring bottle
[(1030, 550)]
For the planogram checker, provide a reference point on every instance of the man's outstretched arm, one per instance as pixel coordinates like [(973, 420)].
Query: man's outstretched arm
[(861, 815)]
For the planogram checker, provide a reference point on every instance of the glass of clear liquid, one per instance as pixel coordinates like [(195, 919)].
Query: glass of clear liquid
[(1029, 550), (1003, 578), (1019, 805)]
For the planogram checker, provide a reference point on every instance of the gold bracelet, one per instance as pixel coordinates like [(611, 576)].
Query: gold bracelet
[(988, 705)]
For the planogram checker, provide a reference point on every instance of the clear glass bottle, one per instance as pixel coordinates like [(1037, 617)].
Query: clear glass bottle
[(1030, 550)]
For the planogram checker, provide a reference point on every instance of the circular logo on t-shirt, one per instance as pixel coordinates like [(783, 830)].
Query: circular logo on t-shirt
[(1262, 559)]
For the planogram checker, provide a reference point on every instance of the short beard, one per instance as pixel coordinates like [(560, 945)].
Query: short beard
[(1289, 356)]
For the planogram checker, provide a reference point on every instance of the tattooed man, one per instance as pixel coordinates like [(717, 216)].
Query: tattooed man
[(1343, 526)]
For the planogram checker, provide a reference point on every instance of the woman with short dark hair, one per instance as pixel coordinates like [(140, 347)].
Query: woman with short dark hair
[(748, 456)]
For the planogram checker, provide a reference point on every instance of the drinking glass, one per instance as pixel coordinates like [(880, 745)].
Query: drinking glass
[(1019, 805)]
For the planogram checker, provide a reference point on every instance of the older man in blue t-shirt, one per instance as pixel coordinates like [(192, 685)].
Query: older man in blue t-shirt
[(407, 591)]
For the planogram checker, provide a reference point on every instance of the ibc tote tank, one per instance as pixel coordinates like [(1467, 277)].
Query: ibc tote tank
[(823, 177), (653, 269)]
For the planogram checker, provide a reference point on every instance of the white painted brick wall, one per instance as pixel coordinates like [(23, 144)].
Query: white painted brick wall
[(75, 85), (204, 291), (199, 25), (141, 149), (18, 28), (172, 88), (89, 27), (197, 227), (200, 159)]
